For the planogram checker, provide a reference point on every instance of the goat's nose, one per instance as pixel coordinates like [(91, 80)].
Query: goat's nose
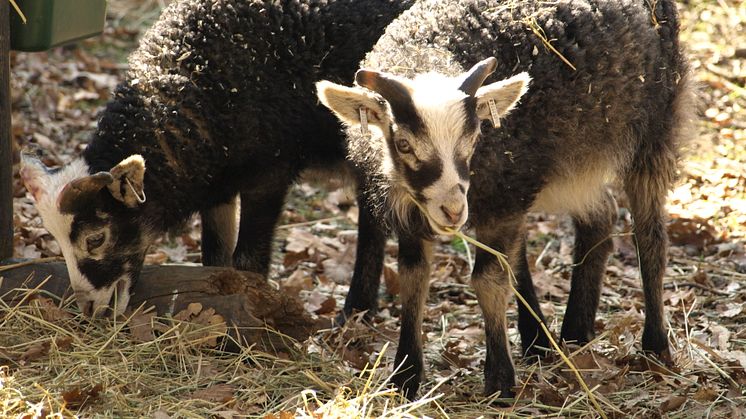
[(87, 308), (452, 215)]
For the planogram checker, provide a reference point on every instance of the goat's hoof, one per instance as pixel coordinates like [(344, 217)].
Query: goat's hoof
[(656, 343), (407, 384), (535, 352), (503, 396), (343, 317)]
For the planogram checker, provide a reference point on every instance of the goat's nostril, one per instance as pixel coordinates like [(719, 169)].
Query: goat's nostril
[(451, 215)]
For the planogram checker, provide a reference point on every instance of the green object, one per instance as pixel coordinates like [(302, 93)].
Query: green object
[(54, 22)]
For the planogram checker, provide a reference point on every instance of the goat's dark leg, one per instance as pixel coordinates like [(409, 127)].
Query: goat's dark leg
[(366, 278), (532, 336), (219, 233), (647, 195), (493, 291), (414, 272), (260, 210), (593, 245)]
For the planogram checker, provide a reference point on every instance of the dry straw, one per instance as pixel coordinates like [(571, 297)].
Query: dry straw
[(18, 10)]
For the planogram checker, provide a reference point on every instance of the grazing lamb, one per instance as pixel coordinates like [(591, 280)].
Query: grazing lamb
[(219, 100), (416, 129)]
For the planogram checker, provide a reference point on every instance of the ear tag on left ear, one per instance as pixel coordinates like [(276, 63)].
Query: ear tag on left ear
[(137, 195), (364, 121), (493, 113)]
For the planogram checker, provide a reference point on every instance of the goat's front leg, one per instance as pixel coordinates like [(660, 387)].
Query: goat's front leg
[(415, 255), (491, 283), (219, 233), (261, 207)]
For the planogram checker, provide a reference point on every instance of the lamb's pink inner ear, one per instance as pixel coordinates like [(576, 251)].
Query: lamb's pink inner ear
[(32, 178)]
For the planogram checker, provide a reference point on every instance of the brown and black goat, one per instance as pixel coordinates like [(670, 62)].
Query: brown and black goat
[(609, 101)]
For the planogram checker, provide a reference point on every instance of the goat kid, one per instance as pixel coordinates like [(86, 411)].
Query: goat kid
[(416, 131), (219, 100)]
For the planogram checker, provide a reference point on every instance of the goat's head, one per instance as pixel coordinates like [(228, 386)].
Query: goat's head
[(93, 218), (430, 126)]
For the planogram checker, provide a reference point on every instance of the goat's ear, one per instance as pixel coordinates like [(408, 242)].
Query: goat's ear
[(128, 185), (504, 93), (34, 175), (78, 193), (347, 102)]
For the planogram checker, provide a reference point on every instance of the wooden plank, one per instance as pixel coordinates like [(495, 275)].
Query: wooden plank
[(6, 149)]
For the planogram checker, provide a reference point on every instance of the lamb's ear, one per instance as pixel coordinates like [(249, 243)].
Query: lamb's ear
[(34, 175), (78, 193), (495, 100), (347, 102), (128, 185)]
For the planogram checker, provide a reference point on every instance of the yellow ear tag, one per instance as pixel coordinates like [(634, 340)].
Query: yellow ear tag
[(364, 121), (493, 113)]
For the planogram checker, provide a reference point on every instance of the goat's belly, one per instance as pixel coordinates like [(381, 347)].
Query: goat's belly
[(579, 194)]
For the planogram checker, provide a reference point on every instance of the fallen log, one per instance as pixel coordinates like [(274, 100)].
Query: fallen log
[(245, 300)]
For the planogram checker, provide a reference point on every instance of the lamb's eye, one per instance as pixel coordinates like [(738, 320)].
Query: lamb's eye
[(403, 146), (94, 241)]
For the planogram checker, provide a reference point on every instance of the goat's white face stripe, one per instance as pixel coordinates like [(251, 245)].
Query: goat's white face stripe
[(445, 118), (45, 193), (46, 189)]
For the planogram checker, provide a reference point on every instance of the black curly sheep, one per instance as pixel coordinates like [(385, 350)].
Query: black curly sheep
[(609, 100), (219, 100)]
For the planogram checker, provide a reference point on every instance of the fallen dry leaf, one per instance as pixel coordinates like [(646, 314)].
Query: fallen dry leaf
[(192, 310), (218, 393), (705, 394), (50, 311), (729, 310), (672, 403), (298, 281), (141, 326), (35, 351), (695, 232), (78, 397), (320, 303), (391, 280)]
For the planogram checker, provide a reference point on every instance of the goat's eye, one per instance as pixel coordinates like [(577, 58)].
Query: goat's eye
[(94, 241), (403, 146)]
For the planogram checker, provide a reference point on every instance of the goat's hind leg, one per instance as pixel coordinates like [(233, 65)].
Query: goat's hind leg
[(366, 278), (647, 198), (593, 244), (260, 210), (219, 233)]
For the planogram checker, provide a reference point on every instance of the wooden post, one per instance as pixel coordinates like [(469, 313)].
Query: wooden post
[(6, 149)]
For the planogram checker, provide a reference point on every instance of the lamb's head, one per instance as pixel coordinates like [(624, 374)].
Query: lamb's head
[(429, 126), (93, 217)]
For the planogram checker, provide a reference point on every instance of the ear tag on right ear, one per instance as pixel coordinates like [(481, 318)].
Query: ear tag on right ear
[(493, 114), (364, 121)]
